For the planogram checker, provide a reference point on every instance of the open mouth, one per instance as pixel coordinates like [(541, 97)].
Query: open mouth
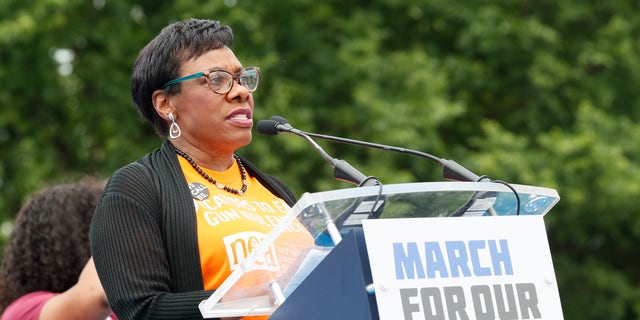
[(241, 117)]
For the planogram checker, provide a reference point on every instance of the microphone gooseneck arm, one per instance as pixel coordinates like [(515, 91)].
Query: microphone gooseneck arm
[(450, 169), (342, 169)]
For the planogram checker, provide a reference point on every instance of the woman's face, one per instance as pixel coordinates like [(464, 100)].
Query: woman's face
[(211, 121)]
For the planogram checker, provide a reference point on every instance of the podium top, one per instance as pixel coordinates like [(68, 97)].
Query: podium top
[(440, 199), (347, 208)]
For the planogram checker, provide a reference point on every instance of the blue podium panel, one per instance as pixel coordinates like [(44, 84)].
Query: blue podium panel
[(336, 289)]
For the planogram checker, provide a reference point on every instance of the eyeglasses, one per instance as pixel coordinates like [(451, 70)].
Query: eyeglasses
[(221, 81)]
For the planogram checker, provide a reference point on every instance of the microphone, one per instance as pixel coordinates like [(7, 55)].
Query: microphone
[(450, 169), (342, 169)]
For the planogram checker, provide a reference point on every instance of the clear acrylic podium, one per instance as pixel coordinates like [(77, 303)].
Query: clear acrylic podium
[(323, 272)]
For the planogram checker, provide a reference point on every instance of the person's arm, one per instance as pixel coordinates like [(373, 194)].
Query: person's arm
[(85, 300), (133, 260)]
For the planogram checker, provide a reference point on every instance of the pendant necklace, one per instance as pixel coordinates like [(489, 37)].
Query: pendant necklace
[(213, 181)]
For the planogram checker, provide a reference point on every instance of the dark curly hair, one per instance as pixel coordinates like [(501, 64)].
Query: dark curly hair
[(49, 244)]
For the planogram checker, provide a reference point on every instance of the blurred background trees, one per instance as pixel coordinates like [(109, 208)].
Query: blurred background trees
[(531, 92)]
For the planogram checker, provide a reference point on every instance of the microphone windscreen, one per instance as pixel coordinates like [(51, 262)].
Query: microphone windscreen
[(268, 127)]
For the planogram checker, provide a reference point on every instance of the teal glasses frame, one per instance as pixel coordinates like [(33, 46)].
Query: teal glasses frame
[(221, 81)]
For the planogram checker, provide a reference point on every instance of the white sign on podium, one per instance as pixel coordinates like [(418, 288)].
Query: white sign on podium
[(492, 267)]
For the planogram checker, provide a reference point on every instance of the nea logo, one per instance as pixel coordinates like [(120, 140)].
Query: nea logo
[(239, 245)]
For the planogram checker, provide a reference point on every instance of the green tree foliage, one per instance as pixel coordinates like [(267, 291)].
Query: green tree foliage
[(530, 92)]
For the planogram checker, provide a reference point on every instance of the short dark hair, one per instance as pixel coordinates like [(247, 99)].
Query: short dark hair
[(160, 60)]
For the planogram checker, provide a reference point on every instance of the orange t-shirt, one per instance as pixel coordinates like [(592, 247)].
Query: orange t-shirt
[(230, 226)]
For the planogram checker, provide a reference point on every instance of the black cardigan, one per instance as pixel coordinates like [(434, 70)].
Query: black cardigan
[(144, 240)]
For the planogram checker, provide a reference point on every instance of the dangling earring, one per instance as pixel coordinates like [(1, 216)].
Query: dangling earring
[(174, 129)]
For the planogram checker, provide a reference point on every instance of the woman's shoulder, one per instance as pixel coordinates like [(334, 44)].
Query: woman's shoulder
[(156, 163), (145, 180), (140, 171), (27, 306)]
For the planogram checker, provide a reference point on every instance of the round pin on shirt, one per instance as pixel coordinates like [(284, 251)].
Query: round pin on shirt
[(198, 191)]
